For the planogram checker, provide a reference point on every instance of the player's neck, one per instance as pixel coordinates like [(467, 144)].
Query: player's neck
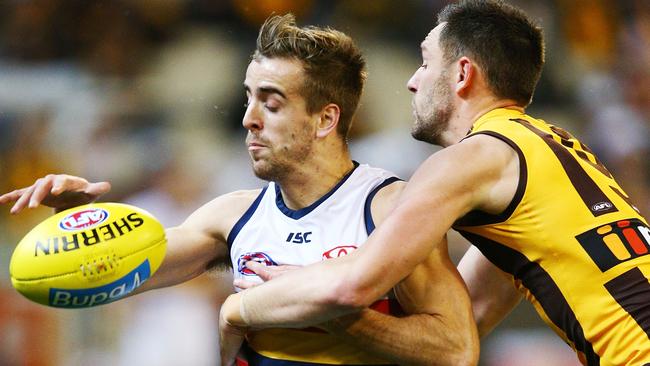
[(470, 111), (313, 179)]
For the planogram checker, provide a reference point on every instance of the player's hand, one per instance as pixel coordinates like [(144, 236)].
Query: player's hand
[(59, 191), (264, 272), (230, 340)]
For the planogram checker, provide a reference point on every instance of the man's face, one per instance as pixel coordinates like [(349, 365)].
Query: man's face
[(280, 131), (432, 96)]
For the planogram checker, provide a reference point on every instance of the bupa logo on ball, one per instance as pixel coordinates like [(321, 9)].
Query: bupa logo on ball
[(83, 219), (82, 298)]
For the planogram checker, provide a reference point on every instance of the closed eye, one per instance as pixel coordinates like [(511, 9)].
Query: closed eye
[(271, 107)]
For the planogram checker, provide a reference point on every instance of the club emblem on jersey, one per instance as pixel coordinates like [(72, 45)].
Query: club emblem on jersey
[(255, 256), (339, 251)]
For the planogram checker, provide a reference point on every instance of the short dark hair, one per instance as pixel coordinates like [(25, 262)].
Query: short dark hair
[(334, 67), (505, 43)]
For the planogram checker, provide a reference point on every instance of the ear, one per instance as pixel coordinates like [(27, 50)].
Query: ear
[(328, 120), (465, 76)]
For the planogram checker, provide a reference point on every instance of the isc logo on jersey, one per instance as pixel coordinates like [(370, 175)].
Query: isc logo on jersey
[(258, 257), (83, 219)]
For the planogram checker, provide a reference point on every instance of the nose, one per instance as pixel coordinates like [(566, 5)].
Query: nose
[(252, 120), (412, 83)]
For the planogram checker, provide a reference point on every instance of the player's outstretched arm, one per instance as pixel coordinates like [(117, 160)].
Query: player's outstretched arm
[(199, 243), (492, 293), (469, 175)]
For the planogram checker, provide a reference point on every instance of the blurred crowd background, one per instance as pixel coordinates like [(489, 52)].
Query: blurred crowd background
[(148, 95)]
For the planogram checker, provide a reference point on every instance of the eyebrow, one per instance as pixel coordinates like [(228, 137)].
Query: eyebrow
[(267, 90)]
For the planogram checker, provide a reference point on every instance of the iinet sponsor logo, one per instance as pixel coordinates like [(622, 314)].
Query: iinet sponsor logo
[(617, 242), (73, 298)]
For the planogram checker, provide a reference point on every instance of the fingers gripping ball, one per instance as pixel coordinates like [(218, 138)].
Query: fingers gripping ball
[(88, 255)]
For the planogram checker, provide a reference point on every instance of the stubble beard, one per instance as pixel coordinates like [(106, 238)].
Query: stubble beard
[(276, 169), (431, 124)]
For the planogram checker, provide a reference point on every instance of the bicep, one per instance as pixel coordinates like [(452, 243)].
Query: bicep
[(492, 293), (199, 243), (201, 239), (189, 254), (190, 246)]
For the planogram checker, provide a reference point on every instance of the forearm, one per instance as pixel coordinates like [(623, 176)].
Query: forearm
[(424, 339), (187, 257), (171, 273)]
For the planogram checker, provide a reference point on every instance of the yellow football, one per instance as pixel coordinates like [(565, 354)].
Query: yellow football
[(88, 255)]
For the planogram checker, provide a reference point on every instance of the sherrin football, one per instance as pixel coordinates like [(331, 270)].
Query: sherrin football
[(88, 255)]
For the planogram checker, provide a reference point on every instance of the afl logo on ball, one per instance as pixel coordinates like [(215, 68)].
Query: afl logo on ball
[(258, 257), (339, 251), (83, 219)]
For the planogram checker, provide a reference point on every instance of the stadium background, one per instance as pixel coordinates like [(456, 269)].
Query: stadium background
[(147, 94)]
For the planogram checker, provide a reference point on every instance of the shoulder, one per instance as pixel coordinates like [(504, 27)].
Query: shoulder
[(482, 145), (478, 155), (480, 172), (491, 167), (385, 200), (219, 215)]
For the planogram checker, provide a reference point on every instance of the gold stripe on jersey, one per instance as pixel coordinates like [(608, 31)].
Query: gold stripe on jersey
[(309, 346), (572, 241), (314, 346)]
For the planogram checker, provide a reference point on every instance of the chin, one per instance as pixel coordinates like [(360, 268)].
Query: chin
[(261, 171), (426, 136), (266, 171)]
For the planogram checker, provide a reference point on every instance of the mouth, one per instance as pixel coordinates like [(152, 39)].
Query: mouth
[(254, 145)]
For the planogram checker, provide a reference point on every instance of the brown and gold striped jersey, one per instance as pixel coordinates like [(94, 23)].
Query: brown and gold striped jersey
[(571, 240)]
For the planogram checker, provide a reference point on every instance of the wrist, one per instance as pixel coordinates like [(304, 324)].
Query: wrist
[(231, 311)]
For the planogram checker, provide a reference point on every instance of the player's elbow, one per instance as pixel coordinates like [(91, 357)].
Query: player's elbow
[(349, 295), (460, 355), (460, 345), (467, 356), (347, 288), (465, 347)]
